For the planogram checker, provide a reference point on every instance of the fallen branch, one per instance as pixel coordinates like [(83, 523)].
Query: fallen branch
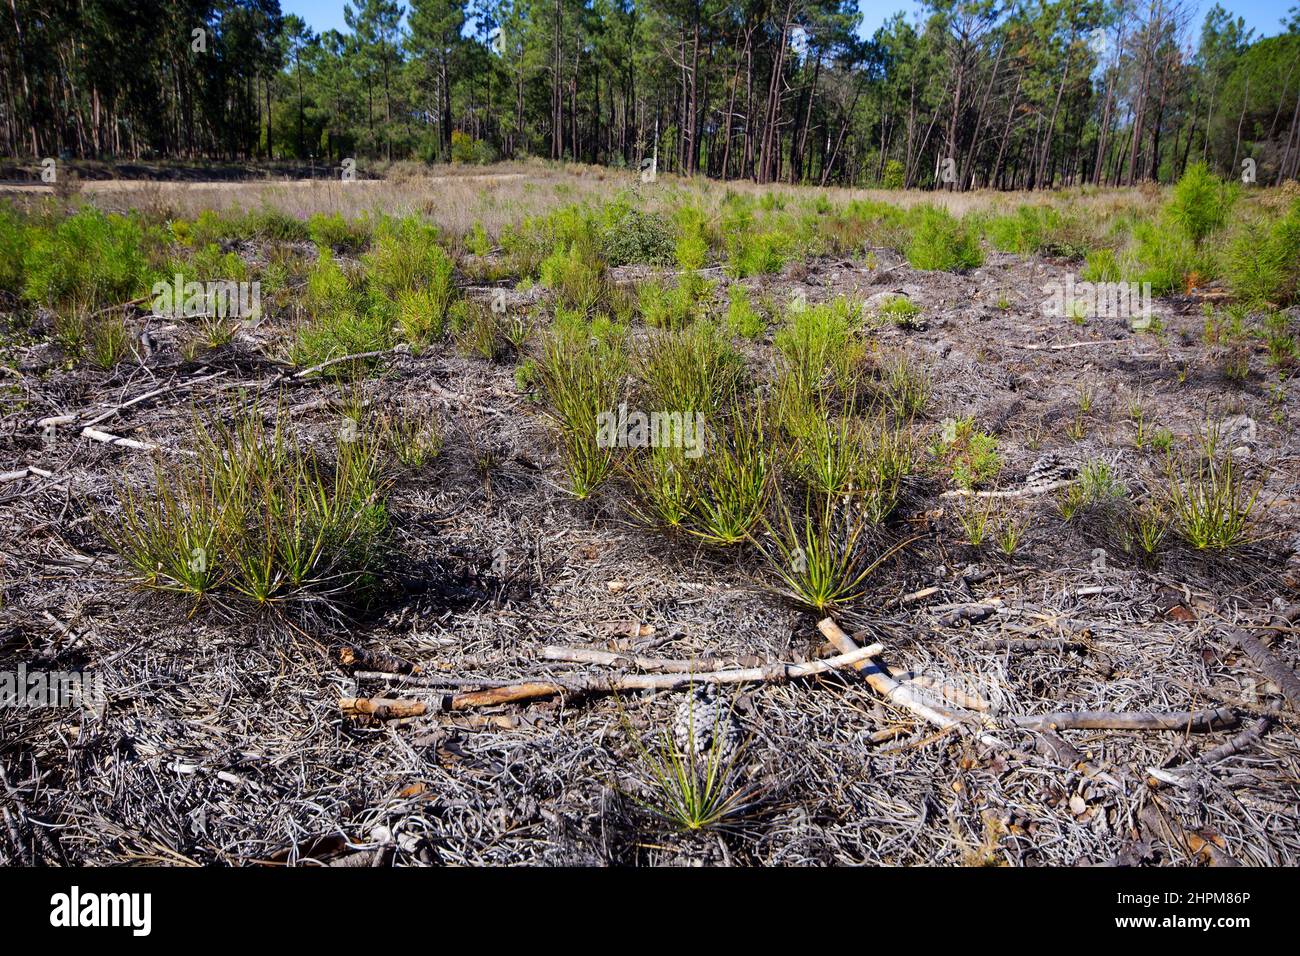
[(1269, 664), (94, 434), (384, 708), (1068, 345), (367, 659), (79, 417), (21, 473), (903, 695), (583, 655), (1195, 721), (1016, 493), (356, 357)]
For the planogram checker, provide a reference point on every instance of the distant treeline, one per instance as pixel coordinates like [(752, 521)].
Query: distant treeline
[(1018, 95)]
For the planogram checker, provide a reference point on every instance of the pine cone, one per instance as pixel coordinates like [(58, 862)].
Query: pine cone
[(704, 721), (1047, 469)]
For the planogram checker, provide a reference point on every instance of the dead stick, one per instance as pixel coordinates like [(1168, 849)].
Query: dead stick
[(901, 694), (357, 357), (1269, 664), (585, 655), (1195, 721), (1017, 493), (387, 708)]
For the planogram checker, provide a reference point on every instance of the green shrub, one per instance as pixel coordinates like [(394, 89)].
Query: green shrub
[(900, 310), (256, 515), (582, 371), (735, 476), (1262, 264), (1211, 508), (1100, 265), (692, 370), (466, 149), (13, 242), (1097, 489), (906, 386), (270, 223), (692, 249), (1200, 203), (336, 233), (742, 318), (420, 316), (328, 286), (406, 255), (478, 242), (823, 559), (752, 253), (663, 482), (92, 259), (345, 331), (107, 341), (1164, 257), (674, 307), (577, 278), (1021, 232), (941, 242), (968, 455), (819, 339)]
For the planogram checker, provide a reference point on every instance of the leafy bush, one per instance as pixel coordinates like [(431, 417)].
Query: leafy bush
[(941, 242), (893, 178), (629, 235), (466, 149)]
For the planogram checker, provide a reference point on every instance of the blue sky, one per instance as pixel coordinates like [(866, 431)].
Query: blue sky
[(1264, 16)]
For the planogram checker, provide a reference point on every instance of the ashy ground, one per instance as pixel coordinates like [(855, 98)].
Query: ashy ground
[(221, 739)]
